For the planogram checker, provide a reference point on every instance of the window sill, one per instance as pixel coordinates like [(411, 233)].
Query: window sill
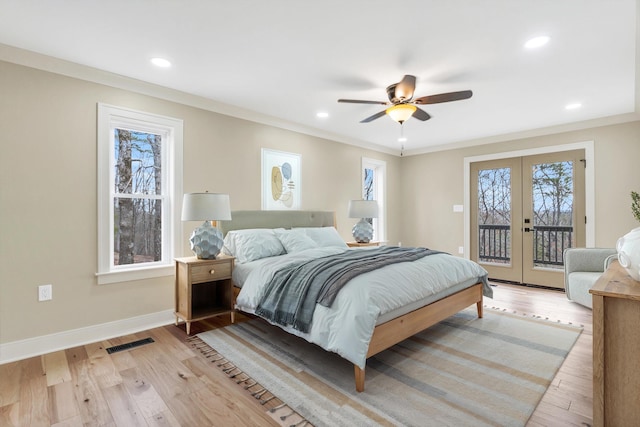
[(137, 274)]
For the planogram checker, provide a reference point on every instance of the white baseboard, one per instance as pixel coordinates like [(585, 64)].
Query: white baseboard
[(23, 349)]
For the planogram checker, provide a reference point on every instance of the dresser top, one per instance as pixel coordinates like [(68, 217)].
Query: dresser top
[(616, 283)]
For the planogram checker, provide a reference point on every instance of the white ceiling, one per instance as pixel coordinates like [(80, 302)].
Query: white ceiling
[(285, 60)]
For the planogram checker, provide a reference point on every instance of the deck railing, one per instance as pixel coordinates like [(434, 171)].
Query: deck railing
[(494, 243), (549, 242)]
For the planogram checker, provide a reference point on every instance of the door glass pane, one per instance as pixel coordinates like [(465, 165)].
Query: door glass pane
[(494, 215), (552, 212)]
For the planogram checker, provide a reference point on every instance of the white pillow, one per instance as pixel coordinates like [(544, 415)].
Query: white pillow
[(324, 236), (295, 240), (252, 244)]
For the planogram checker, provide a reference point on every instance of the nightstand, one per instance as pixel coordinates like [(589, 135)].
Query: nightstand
[(203, 288), (361, 245)]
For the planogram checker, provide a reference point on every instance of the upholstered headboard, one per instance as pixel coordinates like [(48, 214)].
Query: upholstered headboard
[(241, 220)]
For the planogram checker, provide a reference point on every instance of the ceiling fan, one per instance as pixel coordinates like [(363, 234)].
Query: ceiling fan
[(402, 104)]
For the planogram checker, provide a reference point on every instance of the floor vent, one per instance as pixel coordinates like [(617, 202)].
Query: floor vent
[(127, 346)]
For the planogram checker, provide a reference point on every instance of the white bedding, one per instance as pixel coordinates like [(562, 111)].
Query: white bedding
[(371, 298)]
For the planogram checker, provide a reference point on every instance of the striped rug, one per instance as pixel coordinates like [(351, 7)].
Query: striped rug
[(462, 371)]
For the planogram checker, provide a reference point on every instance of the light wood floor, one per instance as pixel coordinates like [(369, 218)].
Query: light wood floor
[(170, 383)]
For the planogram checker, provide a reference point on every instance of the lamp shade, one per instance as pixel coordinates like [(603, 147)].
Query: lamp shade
[(363, 209), (401, 112), (206, 207)]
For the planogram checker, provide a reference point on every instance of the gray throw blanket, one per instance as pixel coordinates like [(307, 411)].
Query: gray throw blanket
[(291, 296)]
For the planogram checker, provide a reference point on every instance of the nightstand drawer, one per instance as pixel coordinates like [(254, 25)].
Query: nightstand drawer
[(210, 272)]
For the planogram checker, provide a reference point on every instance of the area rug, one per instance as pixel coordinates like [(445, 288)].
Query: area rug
[(462, 371)]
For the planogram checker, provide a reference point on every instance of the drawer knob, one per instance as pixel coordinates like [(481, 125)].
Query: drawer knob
[(212, 271)]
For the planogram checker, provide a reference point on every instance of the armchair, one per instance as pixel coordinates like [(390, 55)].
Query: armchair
[(582, 268)]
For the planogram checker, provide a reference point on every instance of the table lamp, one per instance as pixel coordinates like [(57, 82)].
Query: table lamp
[(363, 209), (206, 240)]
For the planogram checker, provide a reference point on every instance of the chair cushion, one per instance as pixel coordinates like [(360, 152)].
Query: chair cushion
[(579, 284)]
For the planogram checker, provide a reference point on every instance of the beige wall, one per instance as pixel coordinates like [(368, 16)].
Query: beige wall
[(432, 183), (48, 206)]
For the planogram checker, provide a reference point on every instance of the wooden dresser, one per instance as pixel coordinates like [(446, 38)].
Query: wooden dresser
[(616, 348)]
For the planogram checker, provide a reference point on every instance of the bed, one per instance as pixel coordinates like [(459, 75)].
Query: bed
[(374, 310)]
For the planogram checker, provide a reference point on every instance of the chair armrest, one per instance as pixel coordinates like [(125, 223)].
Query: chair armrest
[(585, 259)]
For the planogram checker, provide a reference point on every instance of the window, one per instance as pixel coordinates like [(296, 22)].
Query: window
[(373, 188), (139, 186)]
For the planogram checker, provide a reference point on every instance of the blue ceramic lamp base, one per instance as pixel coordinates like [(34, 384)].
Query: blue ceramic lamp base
[(206, 241), (362, 231)]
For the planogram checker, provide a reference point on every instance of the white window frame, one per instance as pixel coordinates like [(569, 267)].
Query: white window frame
[(109, 118), (379, 168)]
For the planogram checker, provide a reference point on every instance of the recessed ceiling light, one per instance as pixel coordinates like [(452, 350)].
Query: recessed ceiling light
[(537, 42), (573, 106), (161, 62), (402, 139), (322, 114)]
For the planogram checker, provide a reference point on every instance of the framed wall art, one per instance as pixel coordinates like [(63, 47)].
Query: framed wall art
[(281, 182)]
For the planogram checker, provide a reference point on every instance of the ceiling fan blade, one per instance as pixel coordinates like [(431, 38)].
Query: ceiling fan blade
[(406, 87), (358, 101), (444, 97), (420, 115), (375, 116)]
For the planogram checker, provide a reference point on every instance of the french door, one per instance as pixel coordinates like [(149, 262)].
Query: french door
[(524, 212)]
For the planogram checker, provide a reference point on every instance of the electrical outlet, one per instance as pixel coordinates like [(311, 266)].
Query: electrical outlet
[(461, 250), (45, 292)]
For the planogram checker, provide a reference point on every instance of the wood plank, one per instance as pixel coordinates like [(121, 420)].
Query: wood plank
[(56, 368), (76, 354), (218, 383), (123, 408), (62, 403), (88, 395), (11, 374), (10, 414), (187, 412), (143, 393), (168, 375), (163, 419), (101, 366), (74, 422), (34, 406)]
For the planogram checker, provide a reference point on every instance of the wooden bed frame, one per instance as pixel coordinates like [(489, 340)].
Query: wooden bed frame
[(386, 334)]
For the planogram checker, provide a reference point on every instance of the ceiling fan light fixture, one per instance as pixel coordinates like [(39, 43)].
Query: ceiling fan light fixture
[(401, 112)]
